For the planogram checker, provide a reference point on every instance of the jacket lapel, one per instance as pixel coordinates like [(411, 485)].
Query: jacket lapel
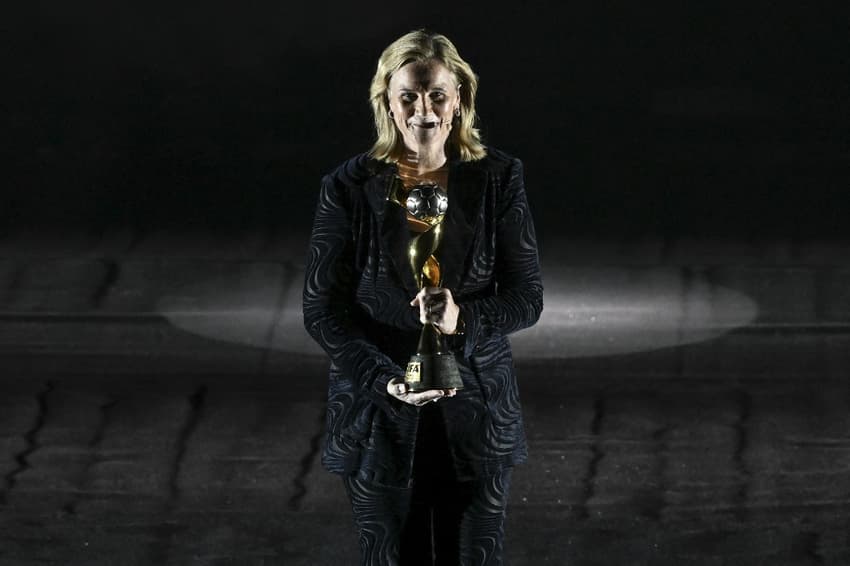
[(466, 187), (392, 225), (467, 182)]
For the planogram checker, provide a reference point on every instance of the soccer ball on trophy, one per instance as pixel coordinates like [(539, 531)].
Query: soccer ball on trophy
[(427, 203)]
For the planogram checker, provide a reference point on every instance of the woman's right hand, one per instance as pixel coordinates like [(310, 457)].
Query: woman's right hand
[(398, 389)]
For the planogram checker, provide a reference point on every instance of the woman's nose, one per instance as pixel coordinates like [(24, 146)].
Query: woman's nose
[(423, 106)]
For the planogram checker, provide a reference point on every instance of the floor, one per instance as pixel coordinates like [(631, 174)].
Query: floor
[(686, 403)]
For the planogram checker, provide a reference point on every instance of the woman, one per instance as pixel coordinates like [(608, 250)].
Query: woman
[(427, 472)]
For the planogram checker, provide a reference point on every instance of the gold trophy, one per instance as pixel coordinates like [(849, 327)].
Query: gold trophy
[(433, 366)]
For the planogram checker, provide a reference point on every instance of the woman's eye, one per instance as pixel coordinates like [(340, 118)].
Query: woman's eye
[(409, 97), (438, 96)]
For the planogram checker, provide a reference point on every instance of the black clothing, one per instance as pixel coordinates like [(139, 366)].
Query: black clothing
[(438, 521), (357, 290)]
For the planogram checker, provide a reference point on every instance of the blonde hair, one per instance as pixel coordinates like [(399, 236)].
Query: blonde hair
[(421, 46)]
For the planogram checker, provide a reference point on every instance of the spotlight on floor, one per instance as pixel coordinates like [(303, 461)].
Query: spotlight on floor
[(588, 311)]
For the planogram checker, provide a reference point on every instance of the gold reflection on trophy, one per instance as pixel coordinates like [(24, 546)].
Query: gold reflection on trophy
[(433, 366)]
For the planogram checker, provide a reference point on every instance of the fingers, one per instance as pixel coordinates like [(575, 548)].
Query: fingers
[(396, 387), (428, 294), (399, 389), (430, 396), (434, 303), (423, 397)]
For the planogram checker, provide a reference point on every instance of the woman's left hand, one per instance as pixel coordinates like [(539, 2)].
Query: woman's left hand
[(437, 307)]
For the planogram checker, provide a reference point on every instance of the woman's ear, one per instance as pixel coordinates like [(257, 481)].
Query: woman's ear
[(389, 108)]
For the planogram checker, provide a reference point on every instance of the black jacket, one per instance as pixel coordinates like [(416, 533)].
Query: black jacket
[(357, 290)]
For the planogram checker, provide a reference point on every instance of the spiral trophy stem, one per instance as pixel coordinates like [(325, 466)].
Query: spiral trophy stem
[(433, 366)]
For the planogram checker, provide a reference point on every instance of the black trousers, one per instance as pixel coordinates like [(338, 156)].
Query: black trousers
[(439, 520)]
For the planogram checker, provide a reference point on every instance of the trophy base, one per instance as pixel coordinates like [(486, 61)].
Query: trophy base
[(432, 371)]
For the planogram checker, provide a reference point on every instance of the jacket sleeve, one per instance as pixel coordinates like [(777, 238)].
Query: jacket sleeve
[(329, 294), (518, 300)]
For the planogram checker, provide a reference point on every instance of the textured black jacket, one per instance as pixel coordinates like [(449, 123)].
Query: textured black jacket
[(357, 290)]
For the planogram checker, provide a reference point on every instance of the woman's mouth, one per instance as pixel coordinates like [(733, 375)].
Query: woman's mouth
[(425, 125)]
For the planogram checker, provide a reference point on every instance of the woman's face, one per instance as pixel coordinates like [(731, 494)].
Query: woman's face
[(423, 97)]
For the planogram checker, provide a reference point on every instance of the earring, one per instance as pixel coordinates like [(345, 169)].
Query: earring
[(391, 114), (457, 111)]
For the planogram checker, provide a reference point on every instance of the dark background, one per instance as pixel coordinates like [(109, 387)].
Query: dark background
[(159, 403), (688, 120)]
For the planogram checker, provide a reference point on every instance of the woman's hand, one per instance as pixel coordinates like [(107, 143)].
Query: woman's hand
[(398, 389), (437, 307)]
